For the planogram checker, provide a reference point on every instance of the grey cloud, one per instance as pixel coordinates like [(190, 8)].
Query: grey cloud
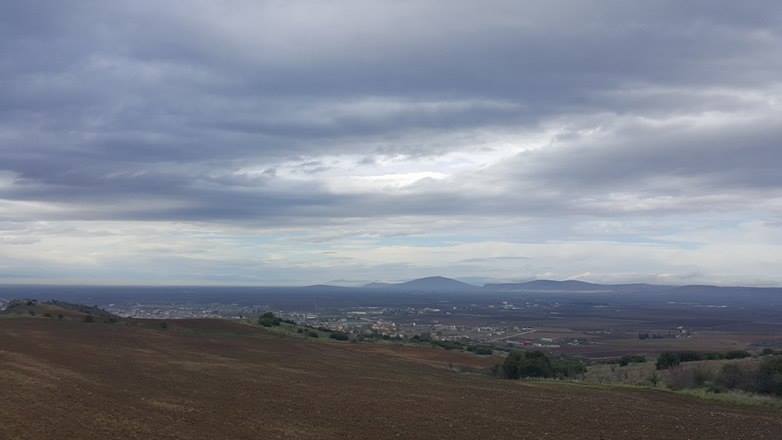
[(164, 101)]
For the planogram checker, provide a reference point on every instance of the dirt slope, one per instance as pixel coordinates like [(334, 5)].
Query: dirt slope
[(212, 380)]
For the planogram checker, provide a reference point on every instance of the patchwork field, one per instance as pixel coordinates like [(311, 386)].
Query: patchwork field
[(207, 379)]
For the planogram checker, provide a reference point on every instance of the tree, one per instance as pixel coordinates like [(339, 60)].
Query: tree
[(630, 359), (269, 320), (737, 354), (480, 349), (667, 360), (88, 318), (520, 364), (339, 336), (733, 376), (769, 376)]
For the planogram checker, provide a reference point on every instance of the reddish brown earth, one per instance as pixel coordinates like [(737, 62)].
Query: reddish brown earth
[(221, 380)]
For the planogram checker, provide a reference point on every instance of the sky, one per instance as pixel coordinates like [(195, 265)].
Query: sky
[(300, 142)]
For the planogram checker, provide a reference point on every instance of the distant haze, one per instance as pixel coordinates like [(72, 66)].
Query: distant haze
[(299, 142)]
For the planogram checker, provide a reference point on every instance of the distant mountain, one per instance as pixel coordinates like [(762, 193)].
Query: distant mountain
[(575, 286), (324, 287), (436, 283), (379, 285), (549, 285)]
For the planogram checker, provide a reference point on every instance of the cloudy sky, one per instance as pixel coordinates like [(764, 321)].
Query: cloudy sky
[(298, 142)]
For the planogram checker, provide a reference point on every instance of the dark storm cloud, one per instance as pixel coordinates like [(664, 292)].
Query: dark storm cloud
[(106, 102)]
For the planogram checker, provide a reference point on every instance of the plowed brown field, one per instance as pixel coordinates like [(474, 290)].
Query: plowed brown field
[(222, 380)]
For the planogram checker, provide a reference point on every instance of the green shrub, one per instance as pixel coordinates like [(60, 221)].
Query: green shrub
[(732, 376), (520, 364), (480, 349), (682, 378), (313, 334), (713, 356), (769, 376), (737, 354), (339, 336), (565, 367), (269, 320), (448, 345), (631, 359), (689, 356), (667, 360)]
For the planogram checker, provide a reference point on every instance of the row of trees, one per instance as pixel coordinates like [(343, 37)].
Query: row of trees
[(269, 319), (671, 359), (764, 377)]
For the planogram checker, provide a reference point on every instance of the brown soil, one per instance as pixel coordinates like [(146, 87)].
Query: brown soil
[(220, 380)]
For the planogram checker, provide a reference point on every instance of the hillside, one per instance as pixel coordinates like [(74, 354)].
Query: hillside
[(208, 379), (55, 309)]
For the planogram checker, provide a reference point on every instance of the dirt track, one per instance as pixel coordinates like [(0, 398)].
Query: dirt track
[(215, 380)]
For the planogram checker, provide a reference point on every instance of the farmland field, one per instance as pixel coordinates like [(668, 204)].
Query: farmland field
[(206, 379)]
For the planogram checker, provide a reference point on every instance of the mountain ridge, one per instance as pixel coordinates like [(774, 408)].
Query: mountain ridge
[(432, 283)]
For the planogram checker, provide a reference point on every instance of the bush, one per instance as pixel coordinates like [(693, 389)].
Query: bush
[(313, 334), (682, 377), (164, 325), (339, 336), (713, 356), (423, 337), (633, 359), (767, 352), (689, 356), (732, 376), (667, 360), (269, 320), (88, 318), (564, 367), (448, 345), (480, 349), (520, 364), (769, 376), (737, 354)]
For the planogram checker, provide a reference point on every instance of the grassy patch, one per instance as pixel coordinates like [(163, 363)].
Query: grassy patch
[(735, 397)]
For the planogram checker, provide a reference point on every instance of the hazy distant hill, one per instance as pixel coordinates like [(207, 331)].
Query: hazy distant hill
[(436, 283), (537, 285)]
